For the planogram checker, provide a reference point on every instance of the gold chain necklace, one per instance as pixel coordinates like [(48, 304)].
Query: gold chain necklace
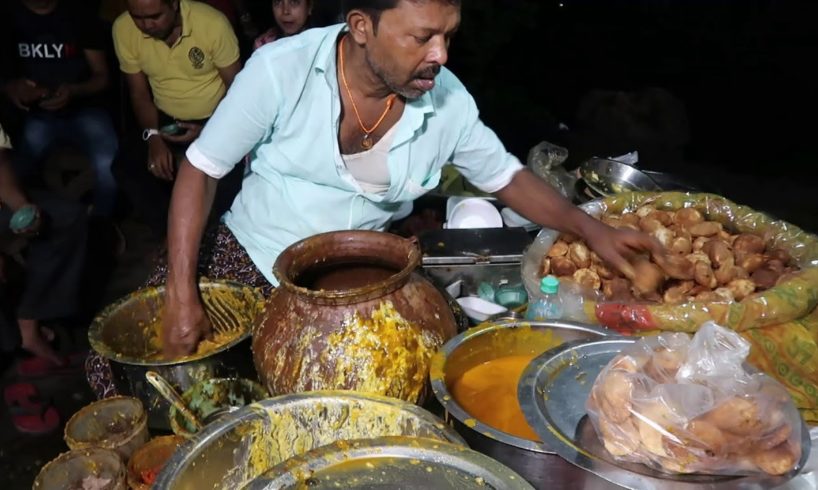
[(366, 142)]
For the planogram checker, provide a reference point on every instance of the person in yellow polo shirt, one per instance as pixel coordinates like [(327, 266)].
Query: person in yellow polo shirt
[(178, 57)]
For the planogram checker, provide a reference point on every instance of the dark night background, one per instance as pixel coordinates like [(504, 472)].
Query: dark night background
[(739, 74)]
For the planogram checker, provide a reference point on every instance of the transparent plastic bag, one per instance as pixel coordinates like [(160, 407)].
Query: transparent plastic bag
[(690, 405), (546, 160), (789, 300)]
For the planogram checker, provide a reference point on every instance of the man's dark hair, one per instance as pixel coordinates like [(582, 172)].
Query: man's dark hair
[(373, 8)]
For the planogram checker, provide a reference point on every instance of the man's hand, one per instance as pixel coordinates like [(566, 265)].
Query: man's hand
[(184, 325), (160, 159), (58, 99), (618, 247), (192, 132), (24, 92)]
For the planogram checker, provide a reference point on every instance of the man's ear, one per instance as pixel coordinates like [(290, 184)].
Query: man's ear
[(360, 26)]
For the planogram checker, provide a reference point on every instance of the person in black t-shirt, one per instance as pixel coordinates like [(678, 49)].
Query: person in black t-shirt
[(56, 71)]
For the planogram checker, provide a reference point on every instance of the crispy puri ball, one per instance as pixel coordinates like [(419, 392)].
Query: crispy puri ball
[(558, 249), (749, 244), (741, 288), (620, 439), (587, 279), (648, 277), (775, 437), (707, 228), (580, 255), (681, 246), (707, 436), (676, 267), (778, 460), (703, 274), (617, 289), (738, 415), (617, 390), (688, 217), (562, 266)]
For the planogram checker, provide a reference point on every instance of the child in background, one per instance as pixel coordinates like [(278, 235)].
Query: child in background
[(290, 18)]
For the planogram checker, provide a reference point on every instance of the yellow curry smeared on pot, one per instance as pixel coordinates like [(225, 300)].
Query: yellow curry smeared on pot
[(382, 354)]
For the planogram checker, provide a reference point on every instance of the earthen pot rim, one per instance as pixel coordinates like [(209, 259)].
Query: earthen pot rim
[(287, 268)]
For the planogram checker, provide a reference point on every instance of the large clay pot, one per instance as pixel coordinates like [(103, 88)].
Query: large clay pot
[(351, 313)]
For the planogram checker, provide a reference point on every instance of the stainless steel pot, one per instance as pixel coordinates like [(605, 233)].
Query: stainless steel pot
[(125, 333), (241, 446), (535, 461)]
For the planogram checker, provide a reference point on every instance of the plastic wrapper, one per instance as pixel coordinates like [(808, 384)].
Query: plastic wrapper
[(690, 405), (546, 160), (779, 322)]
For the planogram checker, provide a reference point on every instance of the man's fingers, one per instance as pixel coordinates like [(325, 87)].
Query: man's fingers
[(623, 266), (167, 167), (18, 104)]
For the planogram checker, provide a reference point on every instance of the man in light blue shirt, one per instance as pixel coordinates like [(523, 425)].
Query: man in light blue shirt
[(343, 124)]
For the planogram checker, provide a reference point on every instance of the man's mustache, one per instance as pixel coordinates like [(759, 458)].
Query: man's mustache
[(430, 72)]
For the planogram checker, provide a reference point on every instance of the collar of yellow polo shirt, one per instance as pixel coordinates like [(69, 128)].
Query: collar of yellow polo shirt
[(184, 78)]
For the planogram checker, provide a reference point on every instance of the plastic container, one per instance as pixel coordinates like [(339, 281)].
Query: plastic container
[(474, 213), (83, 468), (119, 423), (547, 305)]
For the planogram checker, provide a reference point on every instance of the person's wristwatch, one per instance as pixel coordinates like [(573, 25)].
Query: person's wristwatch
[(146, 134)]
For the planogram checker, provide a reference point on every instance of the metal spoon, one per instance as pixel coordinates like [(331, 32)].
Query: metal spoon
[(171, 395)]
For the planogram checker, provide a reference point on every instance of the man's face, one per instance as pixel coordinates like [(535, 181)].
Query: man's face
[(411, 45), (156, 18)]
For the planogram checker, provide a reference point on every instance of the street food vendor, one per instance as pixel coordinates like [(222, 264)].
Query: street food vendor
[(342, 125)]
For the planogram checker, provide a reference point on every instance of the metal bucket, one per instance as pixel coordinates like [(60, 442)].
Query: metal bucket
[(241, 446), (124, 333), (534, 461)]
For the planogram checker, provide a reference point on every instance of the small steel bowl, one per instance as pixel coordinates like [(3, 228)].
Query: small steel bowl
[(611, 177)]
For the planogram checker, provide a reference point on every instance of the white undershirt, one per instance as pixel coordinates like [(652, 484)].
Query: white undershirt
[(370, 168)]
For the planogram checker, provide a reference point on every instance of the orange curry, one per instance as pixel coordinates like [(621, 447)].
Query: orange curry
[(488, 392)]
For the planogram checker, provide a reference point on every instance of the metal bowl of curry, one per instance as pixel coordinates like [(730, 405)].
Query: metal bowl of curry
[(128, 334), (475, 377), (241, 446)]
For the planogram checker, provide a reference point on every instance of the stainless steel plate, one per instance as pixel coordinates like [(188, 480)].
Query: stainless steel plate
[(391, 462), (611, 177), (553, 391)]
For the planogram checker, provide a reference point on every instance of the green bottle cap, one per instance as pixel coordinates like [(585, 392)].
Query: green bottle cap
[(550, 285)]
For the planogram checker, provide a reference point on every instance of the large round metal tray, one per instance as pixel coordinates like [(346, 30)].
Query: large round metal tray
[(239, 447), (553, 391), (391, 462)]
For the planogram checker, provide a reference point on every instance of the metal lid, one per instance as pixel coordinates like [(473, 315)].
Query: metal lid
[(391, 462)]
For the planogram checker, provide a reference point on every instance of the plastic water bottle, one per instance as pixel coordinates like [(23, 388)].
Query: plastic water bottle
[(547, 305)]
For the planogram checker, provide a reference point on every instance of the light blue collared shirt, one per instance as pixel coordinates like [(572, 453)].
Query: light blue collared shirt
[(284, 109)]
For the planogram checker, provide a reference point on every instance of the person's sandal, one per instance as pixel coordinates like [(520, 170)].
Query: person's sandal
[(40, 367), (29, 413)]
